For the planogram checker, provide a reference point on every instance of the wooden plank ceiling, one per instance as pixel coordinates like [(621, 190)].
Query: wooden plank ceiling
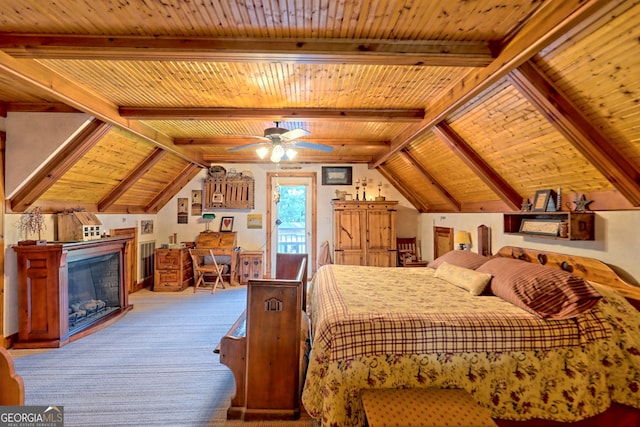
[(463, 106)]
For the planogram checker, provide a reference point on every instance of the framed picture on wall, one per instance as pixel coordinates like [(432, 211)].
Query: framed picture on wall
[(146, 226), (336, 175), (226, 223), (196, 202), (183, 210), (254, 221)]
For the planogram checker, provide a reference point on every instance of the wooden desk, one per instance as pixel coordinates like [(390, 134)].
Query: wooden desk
[(223, 244)]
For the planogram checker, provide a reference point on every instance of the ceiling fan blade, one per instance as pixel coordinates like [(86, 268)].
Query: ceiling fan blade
[(239, 135), (242, 147), (294, 133), (313, 146)]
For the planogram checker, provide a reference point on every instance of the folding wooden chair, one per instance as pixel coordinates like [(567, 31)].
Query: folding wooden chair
[(205, 264)]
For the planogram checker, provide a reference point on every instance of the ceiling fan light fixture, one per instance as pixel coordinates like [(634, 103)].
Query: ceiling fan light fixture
[(262, 152), (277, 153), (291, 153)]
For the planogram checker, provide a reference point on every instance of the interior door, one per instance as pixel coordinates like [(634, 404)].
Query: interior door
[(442, 241)]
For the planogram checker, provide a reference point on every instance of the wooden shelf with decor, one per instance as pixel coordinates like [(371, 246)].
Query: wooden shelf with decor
[(562, 225)]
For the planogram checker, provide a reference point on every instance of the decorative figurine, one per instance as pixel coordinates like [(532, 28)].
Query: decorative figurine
[(582, 204)]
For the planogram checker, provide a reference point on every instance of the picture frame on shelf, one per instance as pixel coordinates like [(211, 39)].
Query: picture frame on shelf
[(544, 201), (542, 227), (226, 224), (337, 175)]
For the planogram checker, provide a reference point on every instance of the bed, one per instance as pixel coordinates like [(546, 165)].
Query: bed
[(525, 350)]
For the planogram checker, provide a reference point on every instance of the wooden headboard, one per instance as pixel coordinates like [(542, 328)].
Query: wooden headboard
[(589, 268)]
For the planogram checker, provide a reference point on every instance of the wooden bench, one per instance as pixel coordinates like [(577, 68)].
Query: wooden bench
[(423, 407), (264, 351), (11, 384)]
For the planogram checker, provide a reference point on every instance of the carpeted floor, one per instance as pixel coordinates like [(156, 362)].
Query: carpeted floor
[(154, 367)]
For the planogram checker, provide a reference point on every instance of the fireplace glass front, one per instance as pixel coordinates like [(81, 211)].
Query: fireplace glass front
[(94, 289)]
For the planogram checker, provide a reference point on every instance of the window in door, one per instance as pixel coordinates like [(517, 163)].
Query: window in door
[(291, 231), (291, 216)]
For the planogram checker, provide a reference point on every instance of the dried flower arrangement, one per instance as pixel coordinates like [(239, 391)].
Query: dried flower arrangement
[(32, 222)]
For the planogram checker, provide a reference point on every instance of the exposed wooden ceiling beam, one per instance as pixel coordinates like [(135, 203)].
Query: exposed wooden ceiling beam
[(419, 204), (40, 107), (551, 21), (272, 114), (183, 178), (307, 51), (84, 100), (494, 181), (58, 165), (300, 158), (235, 141), (417, 166), (569, 120), (137, 173)]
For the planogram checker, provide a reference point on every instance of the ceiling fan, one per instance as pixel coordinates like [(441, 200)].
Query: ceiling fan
[(282, 143)]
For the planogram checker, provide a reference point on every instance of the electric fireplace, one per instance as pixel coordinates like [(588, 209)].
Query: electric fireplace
[(68, 290)]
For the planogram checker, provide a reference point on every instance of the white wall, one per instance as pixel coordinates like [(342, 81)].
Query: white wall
[(617, 238), (32, 138), (254, 239)]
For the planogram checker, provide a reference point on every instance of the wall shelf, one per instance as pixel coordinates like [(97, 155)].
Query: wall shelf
[(562, 225), (229, 191)]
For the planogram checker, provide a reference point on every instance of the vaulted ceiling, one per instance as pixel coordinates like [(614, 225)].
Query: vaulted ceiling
[(464, 106)]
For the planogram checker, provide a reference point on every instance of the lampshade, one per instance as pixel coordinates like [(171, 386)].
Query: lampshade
[(262, 152), (463, 238)]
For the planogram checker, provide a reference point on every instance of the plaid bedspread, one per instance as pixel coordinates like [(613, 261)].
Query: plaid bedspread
[(364, 311)]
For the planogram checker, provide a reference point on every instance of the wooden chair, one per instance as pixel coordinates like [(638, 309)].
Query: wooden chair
[(11, 384), (205, 264), (408, 251)]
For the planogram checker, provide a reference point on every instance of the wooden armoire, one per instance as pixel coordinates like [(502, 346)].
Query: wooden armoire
[(364, 233)]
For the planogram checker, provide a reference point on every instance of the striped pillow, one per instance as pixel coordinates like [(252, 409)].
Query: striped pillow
[(546, 292)]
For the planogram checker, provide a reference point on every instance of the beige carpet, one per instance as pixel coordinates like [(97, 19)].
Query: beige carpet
[(154, 367)]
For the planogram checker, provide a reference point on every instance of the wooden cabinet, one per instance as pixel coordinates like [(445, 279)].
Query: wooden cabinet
[(174, 270), (364, 233), (563, 225), (250, 266)]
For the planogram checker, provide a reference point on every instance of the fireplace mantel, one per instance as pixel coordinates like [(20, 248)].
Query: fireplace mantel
[(43, 290)]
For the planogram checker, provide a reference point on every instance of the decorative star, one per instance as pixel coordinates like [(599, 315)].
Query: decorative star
[(582, 204)]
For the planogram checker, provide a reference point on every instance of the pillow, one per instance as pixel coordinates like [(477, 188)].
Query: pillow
[(544, 291), (466, 259), (464, 278)]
